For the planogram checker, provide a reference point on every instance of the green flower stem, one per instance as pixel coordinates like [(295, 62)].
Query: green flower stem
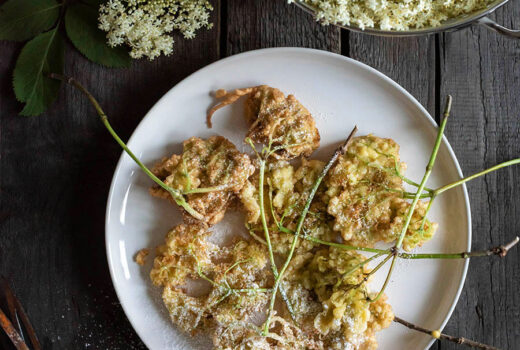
[(336, 245), (428, 172), (375, 269), (253, 290), (177, 196), (474, 176), (385, 284), (267, 236), (207, 189), (357, 266), (433, 193), (464, 255), (422, 185), (501, 251), (299, 225)]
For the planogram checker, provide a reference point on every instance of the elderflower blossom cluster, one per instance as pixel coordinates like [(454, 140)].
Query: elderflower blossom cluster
[(392, 14), (146, 25)]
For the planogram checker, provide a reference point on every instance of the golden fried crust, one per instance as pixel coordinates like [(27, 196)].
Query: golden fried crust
[(188, 257), (366, 196), (286, 191), (347, 319), (274, 118), (213, 166)]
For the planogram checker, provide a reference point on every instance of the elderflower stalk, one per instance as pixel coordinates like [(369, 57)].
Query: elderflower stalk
[(176, 194), (299, 225), (261, 177), (420, 189)]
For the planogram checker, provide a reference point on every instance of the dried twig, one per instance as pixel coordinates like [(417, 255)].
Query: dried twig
[(438, 335), (17, 314), (11, 332)]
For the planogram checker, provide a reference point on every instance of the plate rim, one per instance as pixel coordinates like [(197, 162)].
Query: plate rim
[(303, 51)]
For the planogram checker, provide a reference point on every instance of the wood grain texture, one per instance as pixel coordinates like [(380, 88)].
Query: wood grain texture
[(482, 71), (55, 172), (254, 24)]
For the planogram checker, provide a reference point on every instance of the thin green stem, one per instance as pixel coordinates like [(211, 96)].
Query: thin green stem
[(378, 266), (501, 251), (361, 264), (207, 189), (346, 247), (427, 211), (263, 219), (422, 185), (300, 223), (334, 244), (474, 176), (387, 279), (271, 205), (177, 196), (429, 169), (267, 235)]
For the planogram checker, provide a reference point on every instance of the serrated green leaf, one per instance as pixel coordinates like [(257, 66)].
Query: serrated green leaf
[(82, 30), (40, 56), (23, 19)]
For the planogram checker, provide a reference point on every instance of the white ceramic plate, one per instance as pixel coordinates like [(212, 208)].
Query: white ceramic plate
[(340, 93)]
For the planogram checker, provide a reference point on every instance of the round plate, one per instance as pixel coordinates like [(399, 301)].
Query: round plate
[(340, 93)]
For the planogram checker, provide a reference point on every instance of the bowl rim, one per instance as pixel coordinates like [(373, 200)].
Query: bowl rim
[(278, 50), (447, 26)]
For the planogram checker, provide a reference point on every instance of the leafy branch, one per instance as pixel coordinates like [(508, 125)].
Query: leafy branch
[(41, 22)]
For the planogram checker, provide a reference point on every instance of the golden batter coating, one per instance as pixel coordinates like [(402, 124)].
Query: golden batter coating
[(210, 173), (347, 319), (286, 191), (233, 280), (275, 119), (366, 196)]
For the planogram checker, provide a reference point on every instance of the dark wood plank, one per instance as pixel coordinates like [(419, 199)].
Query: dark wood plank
[(55, 172), (482, 71), (253, 24)]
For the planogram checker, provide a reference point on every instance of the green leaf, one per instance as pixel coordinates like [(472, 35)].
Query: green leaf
[(82, 30), (40, 56), (23, 19)]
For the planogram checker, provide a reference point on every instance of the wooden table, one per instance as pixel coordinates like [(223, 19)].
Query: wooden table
[(55, 170)]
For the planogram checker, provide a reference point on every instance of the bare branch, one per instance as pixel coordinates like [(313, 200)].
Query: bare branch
[(438, 335)]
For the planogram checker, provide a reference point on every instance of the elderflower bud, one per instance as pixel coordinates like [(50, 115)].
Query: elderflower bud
[(436, 334), (146, 25)]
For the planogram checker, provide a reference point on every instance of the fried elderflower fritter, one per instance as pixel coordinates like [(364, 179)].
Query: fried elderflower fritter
[(325, 302), (275, 119), (366, 196), (206, 286), (346, 319), (210, 172), (287, 189)]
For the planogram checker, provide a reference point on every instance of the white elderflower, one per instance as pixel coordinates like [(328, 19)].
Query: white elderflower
[(392, 14), (146, 25)]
